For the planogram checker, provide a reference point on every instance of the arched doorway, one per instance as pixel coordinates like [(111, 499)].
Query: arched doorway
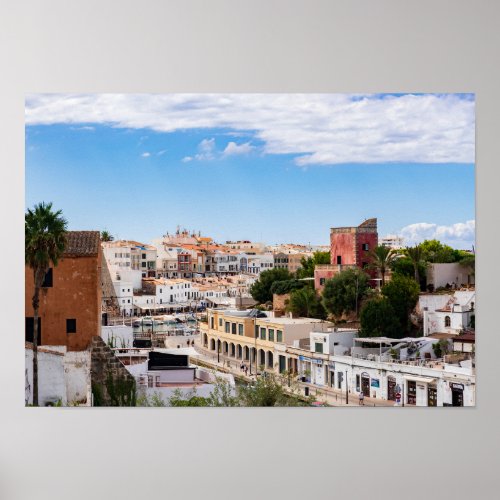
[(224, 348), (212, 344), (240, 352), (262, 357), (270, 360), (246, 353), (232, 351), (205, 339)]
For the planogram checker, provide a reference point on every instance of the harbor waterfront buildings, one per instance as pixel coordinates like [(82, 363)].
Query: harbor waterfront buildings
[(405, 371), (120, 280)]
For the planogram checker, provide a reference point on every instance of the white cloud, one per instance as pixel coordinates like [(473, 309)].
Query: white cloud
[(146, 154), (85, 127), (459, 234), (187, 159), (317, 128), (237, 149), (162, 152)]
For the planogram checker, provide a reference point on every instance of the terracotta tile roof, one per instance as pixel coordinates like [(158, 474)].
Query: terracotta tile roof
[(467, 337), (82, 243)]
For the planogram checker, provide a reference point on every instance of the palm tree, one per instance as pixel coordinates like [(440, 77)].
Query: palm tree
[(416, 256), (381, 259), (106, 236), (45, 240)]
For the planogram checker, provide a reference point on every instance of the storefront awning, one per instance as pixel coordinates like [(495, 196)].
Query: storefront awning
[(422, 380)]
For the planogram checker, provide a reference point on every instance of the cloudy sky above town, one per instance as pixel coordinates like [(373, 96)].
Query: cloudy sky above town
[(269, 167)]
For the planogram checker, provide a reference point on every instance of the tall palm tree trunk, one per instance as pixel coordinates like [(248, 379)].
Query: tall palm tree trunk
[(36, 302)]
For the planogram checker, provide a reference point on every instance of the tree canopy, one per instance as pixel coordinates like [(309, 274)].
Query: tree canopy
[(282, 287), (402, 293), (307, 265), (378, 319), (342, 294), (381, 259), (305, 303), (261, 289)]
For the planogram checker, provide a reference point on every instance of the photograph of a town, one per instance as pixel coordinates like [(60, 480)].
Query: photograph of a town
[(247, 250)]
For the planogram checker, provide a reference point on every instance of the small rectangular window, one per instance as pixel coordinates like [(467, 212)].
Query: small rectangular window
[(271, 335), (339, 260), (263, 333), (318, 347), (47, 280), (71, 326), (240, 329), (279, 335)]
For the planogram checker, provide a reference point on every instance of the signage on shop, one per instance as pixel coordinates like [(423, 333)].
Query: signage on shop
[(459, 387), (375, 382)]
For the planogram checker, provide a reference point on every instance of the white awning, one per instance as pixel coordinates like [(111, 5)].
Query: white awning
[(422, 380)]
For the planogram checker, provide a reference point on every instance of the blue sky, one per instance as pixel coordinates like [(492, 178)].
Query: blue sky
[(155, 164)]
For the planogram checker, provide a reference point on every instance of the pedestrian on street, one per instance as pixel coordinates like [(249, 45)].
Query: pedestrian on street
[(361, 398)]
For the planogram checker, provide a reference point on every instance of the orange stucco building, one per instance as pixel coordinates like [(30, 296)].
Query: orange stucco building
[(70, 301)]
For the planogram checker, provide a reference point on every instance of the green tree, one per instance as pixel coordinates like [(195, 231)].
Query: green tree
[(402, 293), (304, 302), (468, 261), (416, 257), (261, 289), (106, 236), (435, 252), (381, 259), (343, 293), (45, 240), (222, 394), (269, 390), (378, 319), (404, 266), (308, 264), (282, 287)]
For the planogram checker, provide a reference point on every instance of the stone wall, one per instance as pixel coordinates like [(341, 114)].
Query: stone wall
[(112, 384), (279, 303), (109, 300)]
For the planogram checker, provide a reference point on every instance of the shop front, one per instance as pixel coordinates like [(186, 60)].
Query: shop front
[(421, 391), (457, 394), (391, 388)]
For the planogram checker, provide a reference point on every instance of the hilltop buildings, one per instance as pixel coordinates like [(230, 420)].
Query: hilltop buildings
[(349, 247)]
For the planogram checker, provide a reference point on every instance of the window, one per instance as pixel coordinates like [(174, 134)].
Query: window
[(240, 329), (322, 281), (228, 327), (366, 247), (256, 331), (71, 326), (143, 255), (233, 328), (447, 321), (318, 347), (271, 335), (47, 280), (161, 290), (279, 335), (129, 301), (143, 264), (357, 383), (29, 330), (339, 260), (212, 322), (263, 333)]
